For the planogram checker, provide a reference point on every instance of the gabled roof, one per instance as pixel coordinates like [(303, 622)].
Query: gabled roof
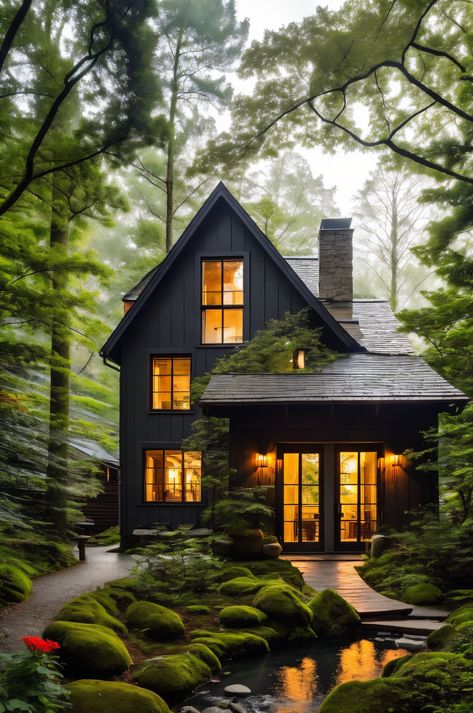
[(94, 450), (307, 267), (218, 194), (351, 378)]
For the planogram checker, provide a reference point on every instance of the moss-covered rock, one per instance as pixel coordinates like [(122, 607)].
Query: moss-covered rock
[(233, 572), (15, 585), (293, 633), (235, 644), (157, 622), (269, 539), (376, 696), (424, 593), (198, 609), (89, 649), (462, 615), (206, 655), (440, 639), (247, 544), (277, 569), (281, 602), (333, 616), (241, 586), (122, 597), (89, 696), (173, 676), (88, 610), (394, 665), (103, 597), (235, 617)]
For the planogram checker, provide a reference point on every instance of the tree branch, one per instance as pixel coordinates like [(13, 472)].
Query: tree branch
[(12, 30)]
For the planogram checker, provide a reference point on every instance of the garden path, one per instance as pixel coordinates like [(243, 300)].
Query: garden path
[(51, 591)]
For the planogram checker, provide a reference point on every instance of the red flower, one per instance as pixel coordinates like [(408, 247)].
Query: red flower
[(36, 643)]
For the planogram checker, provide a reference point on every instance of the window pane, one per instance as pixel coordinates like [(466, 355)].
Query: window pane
[(193, 476), (181, 383), (162, 400), (232, 326), (291, 531), (181, 401), (181, 365), (212, 326), (154, 476), (233, 282), (349, 468), (212, 282), (310, 468), (291, 468), (368, 467), (161, 366), (172, 476), (310, 524), (310, 495)]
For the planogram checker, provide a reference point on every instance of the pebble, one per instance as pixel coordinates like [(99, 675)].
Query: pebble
[(189, 709), (237, 689), (410, 644), (215, 709), (237, 708), (226, 673), (223, 703)]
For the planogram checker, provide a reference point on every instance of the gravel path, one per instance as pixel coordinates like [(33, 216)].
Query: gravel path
[(52, 590)]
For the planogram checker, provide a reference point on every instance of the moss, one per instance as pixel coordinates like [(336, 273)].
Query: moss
[(424, 663), (270, 633), (156, 621), (394, 665), (122, 598), (233, 572), (234, 617), (241, 586), (278, 569), (89, 649), (173, 676), (294, 633), (461, 616), (103, 597), (333, 616), (206, 655), (441, 639), (198, 609), (15, 585), (112, 697), (281, 603), (247, 544), (424, 593), (231, 645), (88, 610), (374, 696), (269, 539)]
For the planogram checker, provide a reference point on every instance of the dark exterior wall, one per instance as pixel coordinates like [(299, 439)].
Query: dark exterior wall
[(170, 323), (103, 509)]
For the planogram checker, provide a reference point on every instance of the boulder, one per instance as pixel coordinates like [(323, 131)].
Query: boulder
[(113, 697), (247, 544), (89, 649), (333, 616), (233, 572), (237, 689), (15, 585), (241, 586), (206, 655), (235, 644), (88, 610), (157, 622), (280, 602), (272, 550), (424, 593), (173, 676), (235, 617)]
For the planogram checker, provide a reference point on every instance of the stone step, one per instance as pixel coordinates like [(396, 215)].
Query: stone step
[(402, 626)]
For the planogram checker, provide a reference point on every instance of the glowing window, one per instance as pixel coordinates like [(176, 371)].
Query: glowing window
[(172, 476), (222, 301), (171, 383)]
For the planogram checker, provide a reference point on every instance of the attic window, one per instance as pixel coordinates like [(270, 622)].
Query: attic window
[(222, 301)]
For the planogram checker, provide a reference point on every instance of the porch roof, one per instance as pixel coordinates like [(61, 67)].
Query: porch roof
[(355, 377)]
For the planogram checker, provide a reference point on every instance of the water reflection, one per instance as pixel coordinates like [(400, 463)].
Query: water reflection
[(297, 683)]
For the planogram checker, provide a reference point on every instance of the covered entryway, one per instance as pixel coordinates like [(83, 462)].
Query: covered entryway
[(327, 496)]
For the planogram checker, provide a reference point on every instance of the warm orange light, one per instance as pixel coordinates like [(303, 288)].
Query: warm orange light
[(395, 460), (298, 359), (261, 460)]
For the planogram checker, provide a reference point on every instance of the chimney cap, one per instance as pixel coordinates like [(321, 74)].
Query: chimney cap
[(335, 224)]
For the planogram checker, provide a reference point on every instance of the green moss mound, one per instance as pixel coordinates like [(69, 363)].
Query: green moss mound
[(247, 544), (173, 676), (87, 610), (293, 633), (277, 569), (198, 609), (441, 639), (15, 585), (235, 617), (233, 645), (206, 655), (89, 649), (103, 597), (424, 663), (377, 696), (233, 572), (462, 615), (241, 586), (89, 696), (424, 593), (333, 616), (271, 634), (157, 622), (269, 539), (121, 597), (394, 665), (282, 603)]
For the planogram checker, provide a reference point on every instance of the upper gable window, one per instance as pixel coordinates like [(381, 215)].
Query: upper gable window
[(222, 301), (171, 383)]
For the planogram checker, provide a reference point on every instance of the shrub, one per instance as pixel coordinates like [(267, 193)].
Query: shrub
[(89, 649), (112, 697), (333, 616), (157, 622), (281, 603), (236, 644), (172, 676), (88, 610), (15, 585), (235, 617), (424, 593)]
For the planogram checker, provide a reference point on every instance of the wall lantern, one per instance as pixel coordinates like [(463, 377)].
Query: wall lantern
[(261, 460), (395, 460), (298, 359)]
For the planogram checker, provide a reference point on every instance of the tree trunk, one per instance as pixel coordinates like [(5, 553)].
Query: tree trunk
[(171, 146), (57, 470)]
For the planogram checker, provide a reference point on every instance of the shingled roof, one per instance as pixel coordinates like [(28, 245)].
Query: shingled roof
[(355, 377)]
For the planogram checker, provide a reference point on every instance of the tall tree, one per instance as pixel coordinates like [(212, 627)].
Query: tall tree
[(199, 41), (391, 221)]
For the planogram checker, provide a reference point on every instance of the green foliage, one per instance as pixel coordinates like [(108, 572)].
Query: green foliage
[(112, 696), (89, 649), (15, 585), (333, 616), (198, 609), (88, 610), (31, 682), (155, 621), (173, 676), (280, 602), (424, 593), (278, 568), (236, 617), (234, 571), (237, 644), (107, 537)]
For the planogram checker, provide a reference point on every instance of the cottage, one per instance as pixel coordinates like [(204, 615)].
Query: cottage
[(328, 445)]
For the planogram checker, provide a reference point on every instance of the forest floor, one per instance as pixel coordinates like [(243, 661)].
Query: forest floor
[(51, 591)]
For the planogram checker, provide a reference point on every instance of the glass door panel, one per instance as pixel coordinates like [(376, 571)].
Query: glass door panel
[(301, 489), (357, 496)]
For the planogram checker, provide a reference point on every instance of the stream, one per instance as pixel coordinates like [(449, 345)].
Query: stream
[(298, 680)]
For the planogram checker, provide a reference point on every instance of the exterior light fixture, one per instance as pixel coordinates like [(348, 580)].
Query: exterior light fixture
[(298, 359), (261, 460), (395, 460)]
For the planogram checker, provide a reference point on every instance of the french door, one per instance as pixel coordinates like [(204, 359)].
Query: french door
[(300, 498), (356, 497)]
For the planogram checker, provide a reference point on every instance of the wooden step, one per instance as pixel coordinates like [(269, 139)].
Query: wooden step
[(402, 626)]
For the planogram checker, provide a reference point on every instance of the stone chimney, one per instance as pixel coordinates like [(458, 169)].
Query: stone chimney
[(336, 260)]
